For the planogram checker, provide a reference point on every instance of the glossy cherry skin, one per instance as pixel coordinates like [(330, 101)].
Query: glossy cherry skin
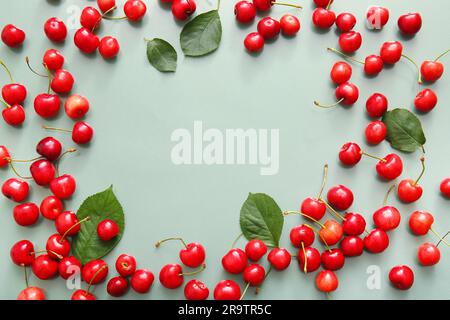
[(16, 189), (290, 25), (69, 266), (391, 52), (193, 255), (345, 21), (65, 221), (263, 5), (350, 154), (254, 249), (90, 17), (426, 100), (313, 208), (227, 290), (50, 148), (373, 65), (82, 133), (53, 59), (106, 5), (331, 233), (83, 295), (410, 23), (302, 234), (57, 247), (14, 115), (142, 280), (14, 93), (43, 172), (126, 265), (408, 191), (323, 18), (375, 132), (31, 293), (327, 281), (428, 254), (350, 41), (332, 260), (171, 276), (431, 70), (354, 224), (376, 105), (420, 222), (135, 9), (183, 9), (391, 168), (376, 241), (12, 36), (26, 214), (86, 40), (445, 187), (377, 17), (279, 258), (117, 286), (322, 3), (94, 271), (47, 105), (269, 28), (63, 187), (44, 267), (341, 72), (51, 207), (387, 218), (244, 11), (76, 106), (109, 47), (254, 42), (352, 246), (62, 81), (107, 229), (55, 29), (4, 156), (234, 261), (401, 277), (312, 259), (196, 290), (340, 197), (22, 253), (348, 92), (254, 274)]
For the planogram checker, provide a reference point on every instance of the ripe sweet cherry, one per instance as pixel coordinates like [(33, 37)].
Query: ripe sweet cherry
[(323, 18), (290, 25), (67, 223), (309, 259), (55, 29), (376, 105), (76, 106), (117, 286), (109, 47), (387, 217), (192, 255), (265, 5), (82, 132), (322, 3), (31, 293), (86, 40), (4, 157), (57, 246), (254, 42), (432, 70), (126, 265), (332, 259), (373, 64), (445, 187), (279, 258), (196, 290), (327, 281), (420, 222), (69, 266), (13, 93), (171, 275), (350, 42), (51, 207), (331, 232), (254, 274), (345, 21), (142, 280), (13, 115), (53, 59), (354, 224), (428, 254), (16, 189), (302, 235), (315, 207), (183, 9), (377, 17), (410, 23), (346, 93), (255, 249), (352, 246), (26, 214), (83, 295), (390, 167), (44, 267), (94, 271), (340, 197), (227, 290), (50, 148), (90, 18), (107, 229), (245, 11), (409, 190), (425, 100), (269, 28), (401, 277), (43, 172), (340, 72), (63, 187), (235, 261), (106, 5), (62, 81), (391, 52), (375, 132), (376, 241), (12, 36)]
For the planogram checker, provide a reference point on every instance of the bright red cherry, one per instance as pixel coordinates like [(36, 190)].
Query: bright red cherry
[(390, 167), (44, 267), (387, 218), (12, 36), (302, 234), (4, 156), (109, 47), (90, 17), (401, 277), (332, 259), (255, 249), (254, 274), (57, 247), (82, 295), (311, 256), (196, 290), (53, 59), (323, 3), (269, 28), (445, 187), (352, 246), (193, 255), (126, 265), (86, 40), (82, 133), (409, 191), (345, 21), (47, 105), (376, 241), (22, 253), (350, 41), (69, 266), (135, 9), (254, 42), (26, 214), (50, 148), (376, 105), (327, 281), (106, 5), (234, 261), (227, 290), (426, 100), (31, 293), (420, 222), (410, 23), (94, 271), (279, 258), (43, 172), (375, 132), (142, 280), (341, 72), (55, 29), (331, 233), (67, 224), (340, 197), (350, 154), (431, 70), (428, 254), (391, 52), (62, 81), (16, 189), (107, 229), (171, 276), (63, 187), (323, 18), (354, 224), (117, 286), (373, 65), (290, 25), (347, 93), (313, 208), (14, 115), (244, 11), (14, 93), (377, 17), (183, 9)]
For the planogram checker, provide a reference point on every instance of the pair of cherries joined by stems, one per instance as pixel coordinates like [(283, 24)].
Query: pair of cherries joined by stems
[(14, 95)]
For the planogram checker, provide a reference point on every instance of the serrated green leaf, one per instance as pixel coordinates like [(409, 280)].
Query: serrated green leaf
[(162, 55)]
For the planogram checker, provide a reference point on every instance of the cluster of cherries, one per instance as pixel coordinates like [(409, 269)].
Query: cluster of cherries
[(268, 27)]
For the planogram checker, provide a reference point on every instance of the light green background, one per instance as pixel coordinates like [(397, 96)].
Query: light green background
[(135, 109)]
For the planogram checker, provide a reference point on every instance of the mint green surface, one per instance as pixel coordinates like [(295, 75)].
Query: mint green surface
[(135, 109)]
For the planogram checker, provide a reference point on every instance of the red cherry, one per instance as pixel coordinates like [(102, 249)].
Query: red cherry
[(302, 234), (376, 241), (290, 25), (428, 254), (350, 41), (331, 233), (254, 274), (323, 3), (4, 156), (126, 265), (82, 295), (50, 148), (431, 70), (47, 105), (171, 276), (90, 18), (401, 277), (313, 208), (244, 11), (354, 224), (420, 222), (426, 100), (327, 281), (410, 23), (63, 187), (196, 290), (14, 93), (16, 189), (44, 267), (350, 154), (386, 218), (352, 246), (31, 293), (377, 17), (62, 81), (82, 133), (376, 105), (86, 40), (390, 167), (340, 197), (408, 191), (69, 266), (234, 261), (55, 29), (254, 42), (323, 18), (142, 280), (107, 229), (193, 255), (106, 5), (57, 247), (135, 9), (94, 271), (347, 93), (269, 28), (227, 290), (117, 286), (255, 249), (22, 253), (332, 259), (14, 115), (373, 65), (341, 72), (12, 36), (445, 187), (67, 224), (183, 9), (26, 214), (345, 21), (53, 59), (312, 257), (375, 132), (109, 47), (43, 172), (279, 258), (391, 52)]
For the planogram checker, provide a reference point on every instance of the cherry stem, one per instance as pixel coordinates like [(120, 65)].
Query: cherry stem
[(388, 193), (47, 251), (233, 245), (305, 268), (345, 56), (324, 180), (56, 129), (106, 17), (26, 276), (27, 60), (441, 55), (373, 157), (7, 105), (333, 211), (245, 290), (422, 162), (30, 160), (258, 289), (328, 5), (285, 213), (7, 71), (218, 5), (326, 106), (72, 227), (157, 244), (318, 233), (419, 78), (93, 278), (439, 242), (287, 4), (439, 237), (60, 157), (16, 172), (193, 273)]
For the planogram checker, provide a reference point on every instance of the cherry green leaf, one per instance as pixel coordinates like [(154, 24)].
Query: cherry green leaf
[(202, 34), (162, 55), (404, 130), (261, 218), (86, 245)]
